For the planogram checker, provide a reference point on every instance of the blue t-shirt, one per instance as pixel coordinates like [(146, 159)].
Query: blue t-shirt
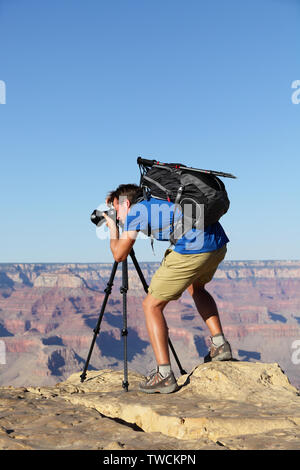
[(154, 217)]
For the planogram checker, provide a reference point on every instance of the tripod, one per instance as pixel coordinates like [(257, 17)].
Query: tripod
[(124, 331)]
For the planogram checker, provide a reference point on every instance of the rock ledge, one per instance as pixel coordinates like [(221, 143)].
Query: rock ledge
[(230, 405)]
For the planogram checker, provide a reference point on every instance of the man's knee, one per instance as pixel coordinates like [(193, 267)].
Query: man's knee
[(150, 302), (145, 303), (195, 287)]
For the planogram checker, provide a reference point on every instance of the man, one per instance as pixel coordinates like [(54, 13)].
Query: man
[(190, 265)]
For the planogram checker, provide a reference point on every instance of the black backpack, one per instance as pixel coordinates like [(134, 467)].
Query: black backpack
[(186, 187)]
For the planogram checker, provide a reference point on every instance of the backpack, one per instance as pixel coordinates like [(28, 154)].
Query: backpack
[(199, 195)]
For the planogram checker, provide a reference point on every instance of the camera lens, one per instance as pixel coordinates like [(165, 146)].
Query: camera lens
[(97, 217)]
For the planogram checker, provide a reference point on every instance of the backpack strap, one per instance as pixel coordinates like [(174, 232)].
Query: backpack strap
[(160, 186), (152, 243), (178, 197)]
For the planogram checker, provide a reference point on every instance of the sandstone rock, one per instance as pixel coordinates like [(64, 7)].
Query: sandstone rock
[(230, 405), (59, 279)]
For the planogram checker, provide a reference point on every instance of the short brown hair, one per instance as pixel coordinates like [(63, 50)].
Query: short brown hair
[(131, 191)]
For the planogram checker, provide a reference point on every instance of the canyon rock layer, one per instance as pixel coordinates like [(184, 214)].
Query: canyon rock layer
[(48, 312)]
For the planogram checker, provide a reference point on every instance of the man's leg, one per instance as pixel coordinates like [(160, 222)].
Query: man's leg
[(206, 306), (157, 328), (220, 349), (163, 380)]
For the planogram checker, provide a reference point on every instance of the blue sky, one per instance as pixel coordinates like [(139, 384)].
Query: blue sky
[(91, 85)]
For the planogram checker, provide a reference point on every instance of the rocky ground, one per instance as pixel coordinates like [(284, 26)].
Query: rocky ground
[(231, 405)]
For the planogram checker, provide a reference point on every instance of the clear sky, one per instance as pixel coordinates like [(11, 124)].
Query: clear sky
[(92, 84)]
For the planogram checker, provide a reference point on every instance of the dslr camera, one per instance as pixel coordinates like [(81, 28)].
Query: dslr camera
[(98, 219)]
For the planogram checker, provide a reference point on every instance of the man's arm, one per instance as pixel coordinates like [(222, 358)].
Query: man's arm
[(120, 246)]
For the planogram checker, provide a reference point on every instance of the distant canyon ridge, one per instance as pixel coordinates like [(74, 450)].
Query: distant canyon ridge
[(48, 312)]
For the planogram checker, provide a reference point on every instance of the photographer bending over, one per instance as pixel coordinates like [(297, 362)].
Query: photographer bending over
[(190, 265)]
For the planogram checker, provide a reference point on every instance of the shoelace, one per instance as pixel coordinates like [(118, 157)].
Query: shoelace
[(152, 374)]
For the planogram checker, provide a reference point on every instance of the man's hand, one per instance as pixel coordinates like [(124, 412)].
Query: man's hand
[(110, 223)]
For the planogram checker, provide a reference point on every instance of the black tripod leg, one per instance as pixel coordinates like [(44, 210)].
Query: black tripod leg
[(123, 291), (182, 371), (139, 271), (97, 328), (145, 285)]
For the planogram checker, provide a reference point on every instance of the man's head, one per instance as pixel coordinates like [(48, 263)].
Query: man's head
[(123, 198)]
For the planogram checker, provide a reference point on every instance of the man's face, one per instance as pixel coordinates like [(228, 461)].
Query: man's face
[(121, 206)]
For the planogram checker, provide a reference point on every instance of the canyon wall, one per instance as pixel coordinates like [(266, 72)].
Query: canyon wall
[(48, 313)]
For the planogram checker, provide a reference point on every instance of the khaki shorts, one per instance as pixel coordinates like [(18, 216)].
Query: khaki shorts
[(177, 272)]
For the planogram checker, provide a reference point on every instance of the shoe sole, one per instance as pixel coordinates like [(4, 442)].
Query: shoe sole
[(222, 357), (169, 389)]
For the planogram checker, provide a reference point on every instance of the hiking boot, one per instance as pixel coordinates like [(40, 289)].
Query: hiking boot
[(222, 353), (156, 383)]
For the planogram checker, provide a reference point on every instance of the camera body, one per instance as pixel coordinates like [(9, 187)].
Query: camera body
[(98, 219)]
